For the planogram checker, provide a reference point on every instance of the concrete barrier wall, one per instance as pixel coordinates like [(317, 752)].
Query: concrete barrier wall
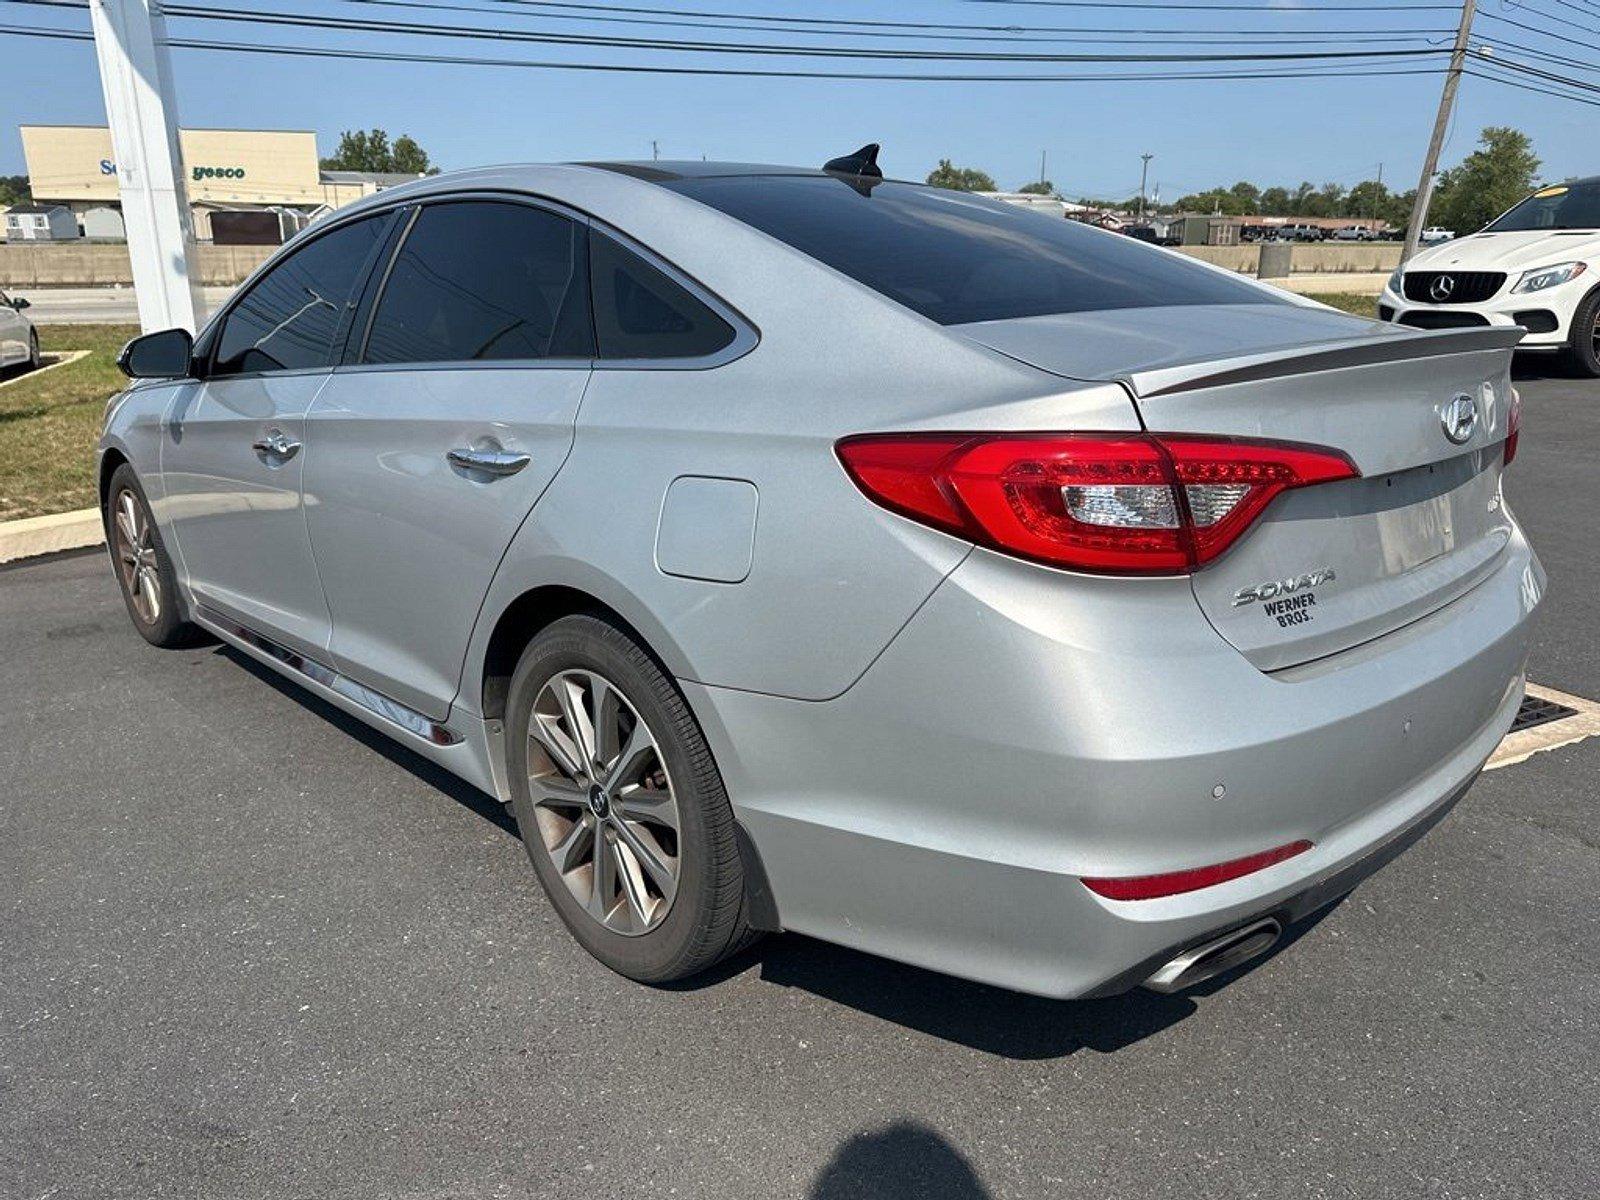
[(1310, 258), (46, 264)]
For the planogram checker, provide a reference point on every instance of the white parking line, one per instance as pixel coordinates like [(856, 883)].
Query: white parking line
[(1564, 731)]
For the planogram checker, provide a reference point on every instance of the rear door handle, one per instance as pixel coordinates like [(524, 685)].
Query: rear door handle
[(277, 444), (490, 462)]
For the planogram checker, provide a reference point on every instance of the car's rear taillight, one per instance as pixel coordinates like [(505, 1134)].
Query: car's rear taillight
[(1513, 426), (1144, 504)]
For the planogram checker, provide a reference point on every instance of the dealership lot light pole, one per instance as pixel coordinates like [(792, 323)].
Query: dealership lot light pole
[(136, 76), (1447, 100)]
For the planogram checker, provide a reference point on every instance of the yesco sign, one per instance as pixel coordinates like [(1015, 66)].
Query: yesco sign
[(107, 167)]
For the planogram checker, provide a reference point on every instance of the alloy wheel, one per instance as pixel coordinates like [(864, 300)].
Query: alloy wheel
[(606, 810), (136, 556)]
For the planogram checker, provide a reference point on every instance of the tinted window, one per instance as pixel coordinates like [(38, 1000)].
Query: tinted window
[(1564, 206), (955, 257), (287, 321), (482, 280), (640, 312)]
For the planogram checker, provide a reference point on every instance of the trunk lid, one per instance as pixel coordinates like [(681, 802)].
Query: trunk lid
[(1330, 566)]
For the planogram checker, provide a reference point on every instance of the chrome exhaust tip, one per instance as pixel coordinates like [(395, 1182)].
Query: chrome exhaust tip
[(1212, 958)]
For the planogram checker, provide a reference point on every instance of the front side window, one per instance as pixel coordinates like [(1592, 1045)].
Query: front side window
[(1563, 206), (484, 280), (288, 318), (957, 258), (641, 312)]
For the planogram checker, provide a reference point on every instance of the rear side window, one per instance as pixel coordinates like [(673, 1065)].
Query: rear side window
[(483, 280), (640, 312), (957, 258), (288, 318)]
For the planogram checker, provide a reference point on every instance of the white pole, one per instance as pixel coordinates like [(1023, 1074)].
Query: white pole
[(136, 76)]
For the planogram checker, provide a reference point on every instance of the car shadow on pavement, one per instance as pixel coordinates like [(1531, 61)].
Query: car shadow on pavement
[(991, 1019), (462, 792), (905, 1161), (1544, 366)]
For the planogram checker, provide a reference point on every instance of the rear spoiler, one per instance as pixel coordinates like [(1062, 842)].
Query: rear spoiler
[(1361, 352)]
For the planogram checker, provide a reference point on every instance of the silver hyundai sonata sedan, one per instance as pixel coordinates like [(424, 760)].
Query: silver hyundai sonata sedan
[(798, 549)]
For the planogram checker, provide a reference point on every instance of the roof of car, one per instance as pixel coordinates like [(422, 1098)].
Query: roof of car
[(670, 171)]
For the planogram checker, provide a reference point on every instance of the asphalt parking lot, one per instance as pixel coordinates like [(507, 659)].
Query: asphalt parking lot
[(250, 949)]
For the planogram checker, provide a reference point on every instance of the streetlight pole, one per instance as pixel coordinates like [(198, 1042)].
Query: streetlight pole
[(1144, 173), (130, 40), (1430, 164)]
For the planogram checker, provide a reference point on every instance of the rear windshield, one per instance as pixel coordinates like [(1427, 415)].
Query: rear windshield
[(1564, 206), (955, 257)]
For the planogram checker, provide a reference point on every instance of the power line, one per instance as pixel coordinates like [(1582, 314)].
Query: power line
[(1328, 71), (1529, 87), (765, 49), (925, 31), (574, 6), (1187, 6)]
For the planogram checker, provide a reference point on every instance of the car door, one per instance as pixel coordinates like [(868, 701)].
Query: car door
[(13, 333), (234, 445), (434, 442)]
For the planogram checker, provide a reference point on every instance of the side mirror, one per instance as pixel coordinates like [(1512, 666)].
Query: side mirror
[(168, 354), (19, 303)]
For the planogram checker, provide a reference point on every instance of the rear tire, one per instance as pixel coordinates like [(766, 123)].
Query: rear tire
[(612, 779), (143, 569), (1583, 343), (34, 358)]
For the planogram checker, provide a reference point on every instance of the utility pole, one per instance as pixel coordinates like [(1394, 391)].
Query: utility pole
[(130, 40), (655, 150), (1144, 172), (1042, 154), (1447, 100)]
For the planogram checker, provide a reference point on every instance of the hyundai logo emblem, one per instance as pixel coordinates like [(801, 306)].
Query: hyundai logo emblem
[(1460, 418), (1441, 287)]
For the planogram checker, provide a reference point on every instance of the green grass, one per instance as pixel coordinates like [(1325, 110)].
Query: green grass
[(49, 423), (1350, 302)]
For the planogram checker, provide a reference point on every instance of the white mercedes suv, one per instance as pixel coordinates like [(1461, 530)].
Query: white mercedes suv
[(1537, 266)]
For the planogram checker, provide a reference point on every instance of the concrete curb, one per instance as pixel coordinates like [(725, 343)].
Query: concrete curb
[(60, 359), (33, 536)]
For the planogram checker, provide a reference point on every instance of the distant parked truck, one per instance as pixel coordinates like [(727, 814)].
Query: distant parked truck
[(41, 223)]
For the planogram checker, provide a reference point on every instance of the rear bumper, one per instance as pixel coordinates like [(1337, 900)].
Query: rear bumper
[(1028, 728)]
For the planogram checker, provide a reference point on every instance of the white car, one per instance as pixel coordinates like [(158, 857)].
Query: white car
[(19, 341), (1537, 266), (1434, 234)]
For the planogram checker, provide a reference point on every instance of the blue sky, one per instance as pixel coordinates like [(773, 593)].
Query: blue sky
[(1201, 133)]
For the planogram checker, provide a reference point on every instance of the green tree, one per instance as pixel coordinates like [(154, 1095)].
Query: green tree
[(1275, 202), (369, 150), (1487, 182), (961, 179), (14, 191), (1039, 187), (1246, 196), (412, 158)]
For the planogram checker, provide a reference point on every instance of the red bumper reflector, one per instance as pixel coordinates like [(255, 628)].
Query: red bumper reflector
[(1150, 887)]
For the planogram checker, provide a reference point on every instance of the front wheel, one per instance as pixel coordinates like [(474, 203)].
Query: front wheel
[(149, 584), (34, 358), (1583, 344), (620, 805)]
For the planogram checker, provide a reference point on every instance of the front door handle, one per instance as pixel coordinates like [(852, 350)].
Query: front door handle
[(276, 444), (490, 462)]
